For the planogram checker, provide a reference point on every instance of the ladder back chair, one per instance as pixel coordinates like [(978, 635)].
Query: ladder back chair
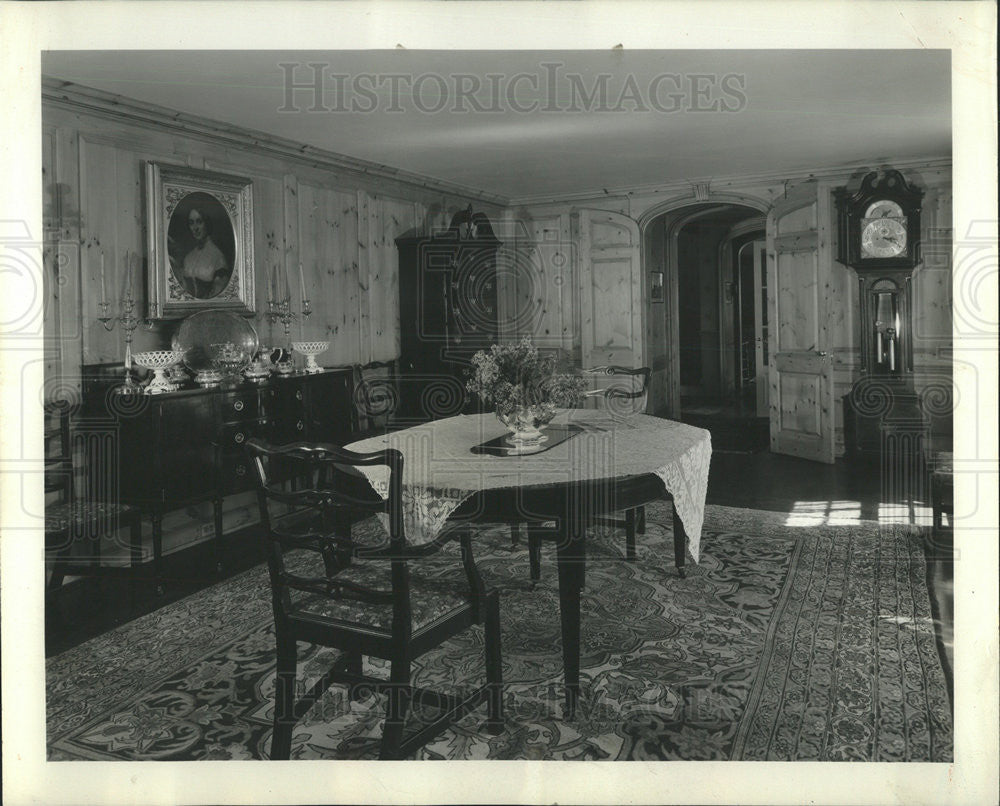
[(621, 398), (365, 594), (624, 399), (80, 521), (376, 398)]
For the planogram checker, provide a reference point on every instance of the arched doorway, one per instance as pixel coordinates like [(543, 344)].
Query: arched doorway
[(714, 330)]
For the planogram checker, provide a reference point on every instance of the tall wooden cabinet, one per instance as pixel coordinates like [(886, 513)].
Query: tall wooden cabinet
[(448, 311)]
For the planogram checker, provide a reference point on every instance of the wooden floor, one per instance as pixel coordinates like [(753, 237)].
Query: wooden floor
[(760, 481)]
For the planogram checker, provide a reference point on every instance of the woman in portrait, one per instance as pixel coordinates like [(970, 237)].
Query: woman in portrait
[(198, 262)]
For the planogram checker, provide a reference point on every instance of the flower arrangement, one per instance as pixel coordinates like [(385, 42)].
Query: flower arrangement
[(525, 386)]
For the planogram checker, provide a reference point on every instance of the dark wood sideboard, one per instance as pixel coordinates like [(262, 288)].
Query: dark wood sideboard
[(186, 447)]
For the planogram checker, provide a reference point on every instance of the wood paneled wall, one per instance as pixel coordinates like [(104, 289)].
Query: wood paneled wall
[(932, 290), (340, 225)]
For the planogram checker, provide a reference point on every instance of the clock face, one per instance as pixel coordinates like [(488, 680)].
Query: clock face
[(884, 208), (883, 235)]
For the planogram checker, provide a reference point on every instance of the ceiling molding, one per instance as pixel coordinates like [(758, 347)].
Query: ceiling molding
[(704, 186), (77, 97)]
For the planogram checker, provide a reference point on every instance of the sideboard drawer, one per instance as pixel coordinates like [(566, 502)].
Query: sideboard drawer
[(239, 406), (236, 473), (233, 436)]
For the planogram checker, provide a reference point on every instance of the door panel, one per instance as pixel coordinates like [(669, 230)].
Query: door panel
[(760, 325), (800, 367), (610, 283)]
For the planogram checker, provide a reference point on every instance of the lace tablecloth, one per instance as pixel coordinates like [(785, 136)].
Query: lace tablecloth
[(440, 471)]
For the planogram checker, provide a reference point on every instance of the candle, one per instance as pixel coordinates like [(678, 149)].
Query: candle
[(104, 289), (892, 354), (879, 354), (129, 269), (302, 282), (288, 288)]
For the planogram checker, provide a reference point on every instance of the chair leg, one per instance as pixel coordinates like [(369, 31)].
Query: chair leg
[(395, 714), (515, 533), (494, 667), (284, 699), (640, 520), (53, 598), (534, 552), (630, 534), (58, 575), (355, 666)]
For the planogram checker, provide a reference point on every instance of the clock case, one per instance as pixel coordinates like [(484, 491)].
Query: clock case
[(883, 420), (851, 209), (884, 284)]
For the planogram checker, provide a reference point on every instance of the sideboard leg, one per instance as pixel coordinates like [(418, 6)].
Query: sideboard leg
[(217, 541), (680, 542), (135, 556), (157, 519)]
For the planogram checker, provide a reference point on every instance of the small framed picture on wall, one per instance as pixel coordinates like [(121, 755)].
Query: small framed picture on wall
[(656, 287)]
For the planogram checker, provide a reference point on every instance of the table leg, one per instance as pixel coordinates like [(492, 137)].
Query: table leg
[(570, 561), (680, 542)]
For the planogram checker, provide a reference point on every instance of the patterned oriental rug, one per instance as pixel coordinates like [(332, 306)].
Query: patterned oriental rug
[(785, 643)]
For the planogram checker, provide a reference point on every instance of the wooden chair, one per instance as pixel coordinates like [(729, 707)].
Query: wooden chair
[(376, 398), (621, 399), (73, 520), (361, 597)]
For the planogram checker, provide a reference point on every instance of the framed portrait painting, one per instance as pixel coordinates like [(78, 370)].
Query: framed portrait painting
[(200, 231)]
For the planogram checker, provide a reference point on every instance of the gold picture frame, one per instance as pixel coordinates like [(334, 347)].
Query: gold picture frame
[(199, 228)]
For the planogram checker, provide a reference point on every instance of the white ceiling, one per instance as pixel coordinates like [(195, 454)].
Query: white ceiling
[(803, 109)]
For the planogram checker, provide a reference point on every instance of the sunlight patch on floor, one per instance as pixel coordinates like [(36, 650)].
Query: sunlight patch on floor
[(824, 513), (908, 513), (845, 513)]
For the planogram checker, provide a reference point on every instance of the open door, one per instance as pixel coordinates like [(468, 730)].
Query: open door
[(609, 278), (753, 318), (800, 366)]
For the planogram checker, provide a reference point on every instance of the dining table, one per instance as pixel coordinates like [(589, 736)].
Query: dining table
[(464, 471)]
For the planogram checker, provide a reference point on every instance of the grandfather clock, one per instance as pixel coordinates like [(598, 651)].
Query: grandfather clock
[(879, 237)]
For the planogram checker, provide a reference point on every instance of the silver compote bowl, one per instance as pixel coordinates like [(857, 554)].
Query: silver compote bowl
[(229, 359), (159, 361), (311, 349)]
